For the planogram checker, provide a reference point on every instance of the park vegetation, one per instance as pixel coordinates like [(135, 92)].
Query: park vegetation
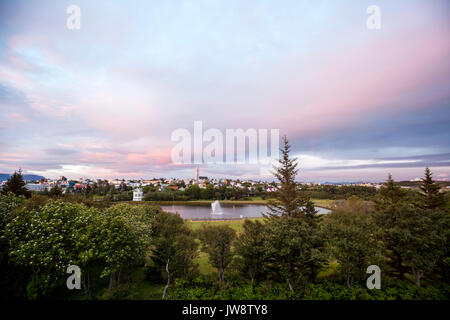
[(291, 253)]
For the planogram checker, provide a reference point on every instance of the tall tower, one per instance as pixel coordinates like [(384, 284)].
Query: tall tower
[(196, 175)]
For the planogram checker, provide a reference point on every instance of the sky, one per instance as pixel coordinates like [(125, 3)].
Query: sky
[(102, 101)]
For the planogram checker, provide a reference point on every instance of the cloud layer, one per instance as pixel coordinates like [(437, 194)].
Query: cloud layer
[(104, 100)]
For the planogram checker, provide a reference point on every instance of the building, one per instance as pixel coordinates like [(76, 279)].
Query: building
[(196, 175), (36, 187), (138, 194)]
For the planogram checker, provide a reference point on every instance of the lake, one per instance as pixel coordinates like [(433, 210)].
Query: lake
[(226, 211)]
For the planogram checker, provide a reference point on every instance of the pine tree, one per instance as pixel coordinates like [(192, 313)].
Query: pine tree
[(391, 192), (432, 196), (390, 207), (16, 185), (289, 201)]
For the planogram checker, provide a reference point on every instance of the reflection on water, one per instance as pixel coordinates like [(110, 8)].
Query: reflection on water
[(229, 211)]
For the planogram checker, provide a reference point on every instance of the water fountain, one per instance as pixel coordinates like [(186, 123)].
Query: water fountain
[(215, 207)]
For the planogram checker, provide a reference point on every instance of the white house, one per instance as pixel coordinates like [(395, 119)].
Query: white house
[(36, 186), (138, 194)]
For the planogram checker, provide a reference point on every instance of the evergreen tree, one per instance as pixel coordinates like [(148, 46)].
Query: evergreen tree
[(16, 185), (251, 250), (353, 239), (432, 197), (289, 200), (296, 250), (389, 206)]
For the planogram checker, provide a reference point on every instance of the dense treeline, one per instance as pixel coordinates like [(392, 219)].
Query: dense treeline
[(292, 253), (340, 192)]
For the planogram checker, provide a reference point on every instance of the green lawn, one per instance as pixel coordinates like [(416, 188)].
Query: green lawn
[(144, 289), (203, 261), (235, 224)]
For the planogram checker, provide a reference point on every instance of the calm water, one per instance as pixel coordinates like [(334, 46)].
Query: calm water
[(227, 211)]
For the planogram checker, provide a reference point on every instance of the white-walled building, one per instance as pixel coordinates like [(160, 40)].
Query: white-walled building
[(36, 186), (138, 194)]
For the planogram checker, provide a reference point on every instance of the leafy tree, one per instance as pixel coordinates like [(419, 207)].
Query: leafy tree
[(36, 202), (174, 247), (124, 238), (16, 185), (193, 192), (46, 242), (10, 276), (353, 239), (216, 242), (250, 247), (55, 192)]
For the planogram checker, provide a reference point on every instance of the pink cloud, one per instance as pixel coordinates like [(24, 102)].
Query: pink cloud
[(19, 117)]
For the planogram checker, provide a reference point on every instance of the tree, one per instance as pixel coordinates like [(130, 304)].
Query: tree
[(193, 192), (293, 240), (414, 237), (174, 248), (55, 192), (432, 197), (295, 248), (216, 242), (16, 185), (353, 239), (289, 200), (125, 238), (250, 247), (390, 206), (9, 274), (434, 204), (421, 248), (47, 241)]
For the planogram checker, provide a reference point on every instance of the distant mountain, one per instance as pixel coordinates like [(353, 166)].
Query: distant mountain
[(26, 177)]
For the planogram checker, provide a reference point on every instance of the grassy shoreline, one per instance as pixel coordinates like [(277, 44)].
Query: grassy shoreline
[(321, 203)]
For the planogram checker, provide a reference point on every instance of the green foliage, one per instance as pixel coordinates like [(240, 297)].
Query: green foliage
[(55, 192), (277, 258), (10, 276), (296, 249), (432, 196), (390, 206), (216, 242), (125, 291), (251, 250), (47, 241), (413, 236), (326, 290), (353, 239), (289, 200), (16, 185), (174, 248)]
